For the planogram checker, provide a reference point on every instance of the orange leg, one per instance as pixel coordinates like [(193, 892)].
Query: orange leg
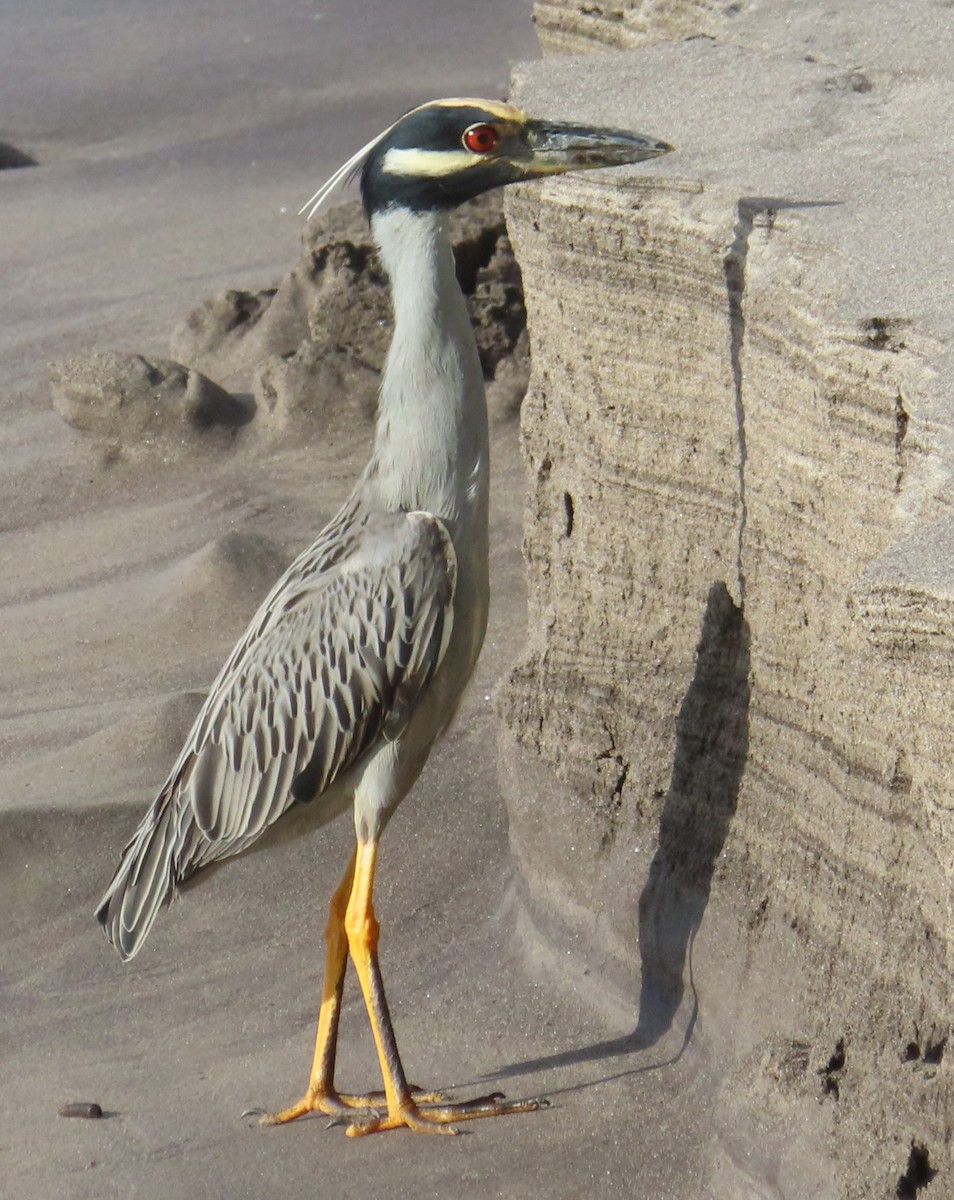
[(405, 1108), (321, 1095)]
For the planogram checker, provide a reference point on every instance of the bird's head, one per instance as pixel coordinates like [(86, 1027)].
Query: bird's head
[(442, 153)]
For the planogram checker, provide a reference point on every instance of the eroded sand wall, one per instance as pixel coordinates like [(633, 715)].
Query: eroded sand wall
[(633, 516), (738, 668)]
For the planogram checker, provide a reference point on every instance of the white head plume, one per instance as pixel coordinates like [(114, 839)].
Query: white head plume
[(344, 174)]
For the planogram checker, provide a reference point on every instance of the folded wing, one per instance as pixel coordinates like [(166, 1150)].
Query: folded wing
[(335, 660)]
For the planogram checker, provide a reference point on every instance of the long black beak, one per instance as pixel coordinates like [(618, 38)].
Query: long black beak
[(555, 147)]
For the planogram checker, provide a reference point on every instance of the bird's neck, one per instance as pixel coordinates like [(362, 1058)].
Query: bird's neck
[(431, 445)]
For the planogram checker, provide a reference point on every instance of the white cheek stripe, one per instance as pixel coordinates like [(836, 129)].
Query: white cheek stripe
[(430, 164)]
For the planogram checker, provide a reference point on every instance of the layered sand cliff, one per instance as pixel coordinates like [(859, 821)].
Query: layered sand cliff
[(734, 715)]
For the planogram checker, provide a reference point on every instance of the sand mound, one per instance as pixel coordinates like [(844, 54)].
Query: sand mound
[(216, 334), (224, 581), (153, 734), (129, 401), (11, 157), (149, 736), (314, 346)]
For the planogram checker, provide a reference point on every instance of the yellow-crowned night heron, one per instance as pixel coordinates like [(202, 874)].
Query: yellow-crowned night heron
[(355, 663)]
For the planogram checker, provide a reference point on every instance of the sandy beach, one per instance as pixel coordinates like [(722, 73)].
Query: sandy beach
[(681, 863), (173, 149)]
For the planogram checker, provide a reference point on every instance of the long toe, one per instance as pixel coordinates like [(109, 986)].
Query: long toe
[(345, 1108), (379, 1100), (330, 1104), (304, 1106), (442, 1117)]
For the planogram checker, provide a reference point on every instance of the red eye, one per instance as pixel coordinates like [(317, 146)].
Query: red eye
[(481, 139)]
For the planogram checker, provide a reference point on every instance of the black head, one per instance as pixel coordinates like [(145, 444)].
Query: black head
[(448, 151)]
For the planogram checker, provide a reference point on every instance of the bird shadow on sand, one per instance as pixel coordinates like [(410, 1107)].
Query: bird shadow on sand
[(711, 748)]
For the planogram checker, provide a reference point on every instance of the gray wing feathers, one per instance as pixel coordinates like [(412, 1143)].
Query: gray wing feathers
[(336, 659)]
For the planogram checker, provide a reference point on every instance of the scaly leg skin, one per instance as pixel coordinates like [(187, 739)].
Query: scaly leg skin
[(404, 1108), (322, 1095)]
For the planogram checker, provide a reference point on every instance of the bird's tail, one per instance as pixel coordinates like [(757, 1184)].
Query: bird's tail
[(144, 879)]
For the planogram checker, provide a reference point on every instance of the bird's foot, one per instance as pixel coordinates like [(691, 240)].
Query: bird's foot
[(424, 1117), (343, 1107)]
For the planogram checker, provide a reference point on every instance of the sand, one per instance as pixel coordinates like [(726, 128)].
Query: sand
[(144, 513), (173, 150)]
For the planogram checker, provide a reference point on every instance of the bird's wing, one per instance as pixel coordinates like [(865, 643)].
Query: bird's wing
[(335, 660)]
